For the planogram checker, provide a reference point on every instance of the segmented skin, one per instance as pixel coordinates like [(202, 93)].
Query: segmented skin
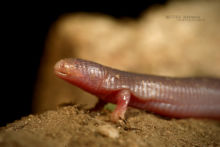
[(174, 97)]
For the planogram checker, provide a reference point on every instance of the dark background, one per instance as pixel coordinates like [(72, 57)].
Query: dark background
[(25, 28)]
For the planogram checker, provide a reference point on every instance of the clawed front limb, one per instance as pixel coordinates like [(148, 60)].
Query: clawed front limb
[(122, 98)]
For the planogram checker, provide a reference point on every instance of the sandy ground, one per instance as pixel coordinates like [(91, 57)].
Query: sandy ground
[(71, 126)]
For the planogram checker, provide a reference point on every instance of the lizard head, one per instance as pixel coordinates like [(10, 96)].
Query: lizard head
[(84, 74)]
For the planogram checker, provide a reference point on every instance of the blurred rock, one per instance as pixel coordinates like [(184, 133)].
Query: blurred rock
[(178, 39)]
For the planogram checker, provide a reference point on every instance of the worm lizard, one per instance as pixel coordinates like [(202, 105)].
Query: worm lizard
[(169, 96)]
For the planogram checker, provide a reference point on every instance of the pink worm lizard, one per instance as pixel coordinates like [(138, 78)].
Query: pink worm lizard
[(173, 97)]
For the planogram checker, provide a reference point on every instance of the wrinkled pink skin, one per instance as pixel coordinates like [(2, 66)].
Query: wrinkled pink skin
[(174, 97)]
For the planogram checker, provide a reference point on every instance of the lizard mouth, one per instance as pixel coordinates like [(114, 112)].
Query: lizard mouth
[(60, 73)]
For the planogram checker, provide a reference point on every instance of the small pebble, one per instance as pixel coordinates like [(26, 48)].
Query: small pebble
[(108, 131)]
